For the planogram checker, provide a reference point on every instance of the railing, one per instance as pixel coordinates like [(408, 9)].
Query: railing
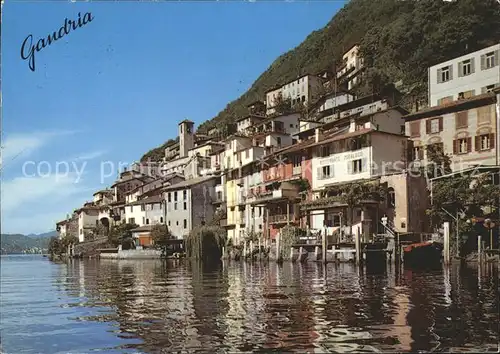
[(280, 218), (297, 170)]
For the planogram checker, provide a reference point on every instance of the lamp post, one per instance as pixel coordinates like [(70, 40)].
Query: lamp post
[(489, 224)]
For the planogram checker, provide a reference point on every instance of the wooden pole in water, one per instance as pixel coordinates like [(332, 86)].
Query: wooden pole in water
[(479, 250), (357, 246), (446, 242), (278, 251), (323, 245)]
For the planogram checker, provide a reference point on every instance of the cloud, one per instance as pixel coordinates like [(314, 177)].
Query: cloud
[(21, 191), (24, 144), (88, 156), (33, 204)]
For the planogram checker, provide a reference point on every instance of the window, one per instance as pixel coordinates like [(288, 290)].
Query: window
[(468, 94), (444, 74), (278, 140), (445, 100), (175, 206), (161, 219), (177, 223), (291, 125), (184, 194), (415, 129), (175, 196), (418, 153), (391, 198), (169, 223), (489, 88), (484, 115), (169, 197), (296, 160), (185, 224), (356, 166), (131, 220), (143, 207), (485, 142), (434, 125), (489, 60), (461, 146), (461, 119), (325, 151), (325, 172), (185, 206), (466, 67)]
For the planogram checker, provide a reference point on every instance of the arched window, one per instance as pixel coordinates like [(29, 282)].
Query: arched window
[(161, 219), (391, 198)]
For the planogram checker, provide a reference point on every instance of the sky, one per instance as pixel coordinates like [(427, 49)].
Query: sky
[(113, 89)]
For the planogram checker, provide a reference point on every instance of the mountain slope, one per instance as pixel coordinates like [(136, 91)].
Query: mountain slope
[(399, 40), (16, 243)]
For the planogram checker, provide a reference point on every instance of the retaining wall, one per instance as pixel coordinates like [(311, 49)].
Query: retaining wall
[(132, 254)]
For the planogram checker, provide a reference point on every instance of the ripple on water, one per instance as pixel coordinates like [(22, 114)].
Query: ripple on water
[(150, 306)]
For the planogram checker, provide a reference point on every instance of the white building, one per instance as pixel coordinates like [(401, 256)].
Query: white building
[(189, 204), (468, 75), (88, 219), (305, 89), (351, 67)]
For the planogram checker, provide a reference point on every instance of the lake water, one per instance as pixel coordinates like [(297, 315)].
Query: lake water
[(153, 307)]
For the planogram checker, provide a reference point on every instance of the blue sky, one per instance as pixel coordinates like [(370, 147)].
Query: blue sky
[(117, 87)]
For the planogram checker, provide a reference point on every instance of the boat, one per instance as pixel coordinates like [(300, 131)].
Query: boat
[(422, 254)]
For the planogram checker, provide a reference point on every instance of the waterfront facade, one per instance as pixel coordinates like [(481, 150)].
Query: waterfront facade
[(465, 129)]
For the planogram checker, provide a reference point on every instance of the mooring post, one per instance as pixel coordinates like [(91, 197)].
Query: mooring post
[(446, 242), (244, 249), (251, 249), (260, 254), (316, 252), (323, 245), (334, 253), (357, 246), (278, 245), (479, 250)]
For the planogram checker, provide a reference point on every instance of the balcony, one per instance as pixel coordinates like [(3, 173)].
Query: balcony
[(279, 219), (274, 195)]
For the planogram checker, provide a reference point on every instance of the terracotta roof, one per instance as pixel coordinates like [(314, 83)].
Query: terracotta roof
[(62, 222), (462, 104), (186, 121), (143, 228), (190, 182)]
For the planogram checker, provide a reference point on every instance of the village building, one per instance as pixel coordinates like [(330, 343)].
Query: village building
[(189, 204), (88, 220), (469, 75), (305, 89), (464, 129), (351, 69)]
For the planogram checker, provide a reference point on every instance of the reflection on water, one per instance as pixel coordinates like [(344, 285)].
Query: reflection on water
[(151, 306)]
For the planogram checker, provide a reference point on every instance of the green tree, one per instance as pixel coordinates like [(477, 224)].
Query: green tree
[(161, 235), (465, 197), (353, 194), (205, 243), (121, 234), (439, 163)]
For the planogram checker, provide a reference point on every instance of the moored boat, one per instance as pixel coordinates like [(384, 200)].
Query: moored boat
[(422, 254)]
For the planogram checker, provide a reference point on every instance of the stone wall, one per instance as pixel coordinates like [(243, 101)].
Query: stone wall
[(132, 254)]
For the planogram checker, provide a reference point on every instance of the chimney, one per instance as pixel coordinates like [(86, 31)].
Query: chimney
[(316, 135)]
